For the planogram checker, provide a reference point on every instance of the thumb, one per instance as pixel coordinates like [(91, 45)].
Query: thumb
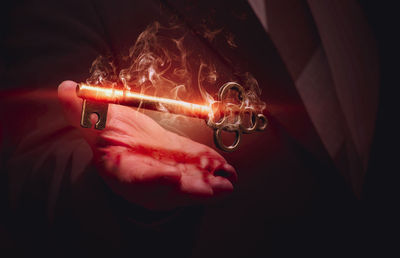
[(71, 104)]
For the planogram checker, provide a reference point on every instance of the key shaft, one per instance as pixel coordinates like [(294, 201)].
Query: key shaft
[(129, 98)]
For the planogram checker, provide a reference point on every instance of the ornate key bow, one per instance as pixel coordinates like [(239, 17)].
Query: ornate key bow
[(233, 117)]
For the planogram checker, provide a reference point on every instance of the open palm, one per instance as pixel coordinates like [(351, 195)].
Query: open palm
[(146, 164)]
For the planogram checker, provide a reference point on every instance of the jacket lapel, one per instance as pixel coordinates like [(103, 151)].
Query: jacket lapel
[(242, 44)]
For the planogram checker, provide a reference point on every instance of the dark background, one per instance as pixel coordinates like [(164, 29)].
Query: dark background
[(374, 219)]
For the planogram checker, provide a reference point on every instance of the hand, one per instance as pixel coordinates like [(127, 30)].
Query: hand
[(146, 164)]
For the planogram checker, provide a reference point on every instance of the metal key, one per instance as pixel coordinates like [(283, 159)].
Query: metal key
[(232, 116)]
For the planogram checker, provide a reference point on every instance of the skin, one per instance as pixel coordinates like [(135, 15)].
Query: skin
[(146, 164)]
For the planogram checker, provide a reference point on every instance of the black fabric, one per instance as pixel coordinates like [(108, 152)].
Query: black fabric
[(289, 199)]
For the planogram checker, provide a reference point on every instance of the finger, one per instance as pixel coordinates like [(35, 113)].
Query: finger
[(72, 105), (226, 171), (135, 168), (214, 163), (220, 185), (194, 182), (209, 175)]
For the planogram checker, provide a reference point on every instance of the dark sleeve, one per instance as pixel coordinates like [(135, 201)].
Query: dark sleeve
[(54, 192), (46, 42)]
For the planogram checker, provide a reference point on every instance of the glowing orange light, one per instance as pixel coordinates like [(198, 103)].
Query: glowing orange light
[(125, 97)]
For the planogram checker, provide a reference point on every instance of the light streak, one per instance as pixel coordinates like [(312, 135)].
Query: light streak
[(126, 97)]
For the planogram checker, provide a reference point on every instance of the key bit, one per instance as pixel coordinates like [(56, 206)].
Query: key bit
[(93, 107)]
